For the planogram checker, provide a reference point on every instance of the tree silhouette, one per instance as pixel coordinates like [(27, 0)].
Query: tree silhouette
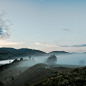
[(81, 62), (21, 59), (29, 57), (51, 60)]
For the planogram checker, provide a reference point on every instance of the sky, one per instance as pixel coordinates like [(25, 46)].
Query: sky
[(47, 25)]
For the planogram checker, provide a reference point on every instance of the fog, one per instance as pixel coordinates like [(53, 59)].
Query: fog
[(69, 59), (6, 61)]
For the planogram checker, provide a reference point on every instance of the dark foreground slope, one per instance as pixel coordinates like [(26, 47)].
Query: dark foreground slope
[(54, 75), (34, 74), (74, 77), (15, 74)]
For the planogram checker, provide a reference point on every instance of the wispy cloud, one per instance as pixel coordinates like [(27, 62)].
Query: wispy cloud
[(65, 46), (81, 50), (9, 43), (66, 29), (51, 45), (75, 34), (83, 45), (46, 44), (4, 28), (37, 43)]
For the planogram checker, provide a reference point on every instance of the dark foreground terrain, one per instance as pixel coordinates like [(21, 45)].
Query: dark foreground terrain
[(43, 75), (72, 77)]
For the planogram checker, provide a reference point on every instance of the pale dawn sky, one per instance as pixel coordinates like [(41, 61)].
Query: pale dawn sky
[(47, 25)]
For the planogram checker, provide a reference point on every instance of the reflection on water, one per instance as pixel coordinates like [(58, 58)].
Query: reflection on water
[(71, 59)]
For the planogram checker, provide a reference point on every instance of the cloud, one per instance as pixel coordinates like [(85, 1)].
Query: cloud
[(82, 50), (66, 29), (4, 28), (65, 46), (51, 45), (46, 44), (37, 43), (75, 34), (83, 45), (9, 43)]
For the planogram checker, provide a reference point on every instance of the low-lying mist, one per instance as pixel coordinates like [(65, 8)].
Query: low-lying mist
[(68, 59)]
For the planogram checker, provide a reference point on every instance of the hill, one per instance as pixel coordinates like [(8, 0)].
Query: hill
[(5, 54), (73, 77), (10, 53), (58, 52), (34, 74), (48, 75)]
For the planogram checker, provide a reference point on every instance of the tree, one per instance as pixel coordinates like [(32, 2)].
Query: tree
[(81, 62), (15, 61), (21, 59), (51, 60), (29, 57)]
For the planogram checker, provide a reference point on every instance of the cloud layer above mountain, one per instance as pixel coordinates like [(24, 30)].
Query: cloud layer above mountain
[(4, 27)]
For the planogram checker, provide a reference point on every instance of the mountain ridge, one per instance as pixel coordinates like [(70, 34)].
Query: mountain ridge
[(8, 53)]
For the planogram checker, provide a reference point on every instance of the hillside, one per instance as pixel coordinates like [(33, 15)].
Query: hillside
[(34, 74), (73, 77), (47, 75), (10, 53), (5, 54)]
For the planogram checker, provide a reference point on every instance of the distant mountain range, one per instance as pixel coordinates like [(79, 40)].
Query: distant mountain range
[(9, 53), (58, 52)]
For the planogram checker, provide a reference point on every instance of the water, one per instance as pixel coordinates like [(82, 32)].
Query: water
[(71, 59)]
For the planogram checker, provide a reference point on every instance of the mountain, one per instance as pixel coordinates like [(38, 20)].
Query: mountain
[(26, 51), (58, 52), (5, 54), (10, 53)]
